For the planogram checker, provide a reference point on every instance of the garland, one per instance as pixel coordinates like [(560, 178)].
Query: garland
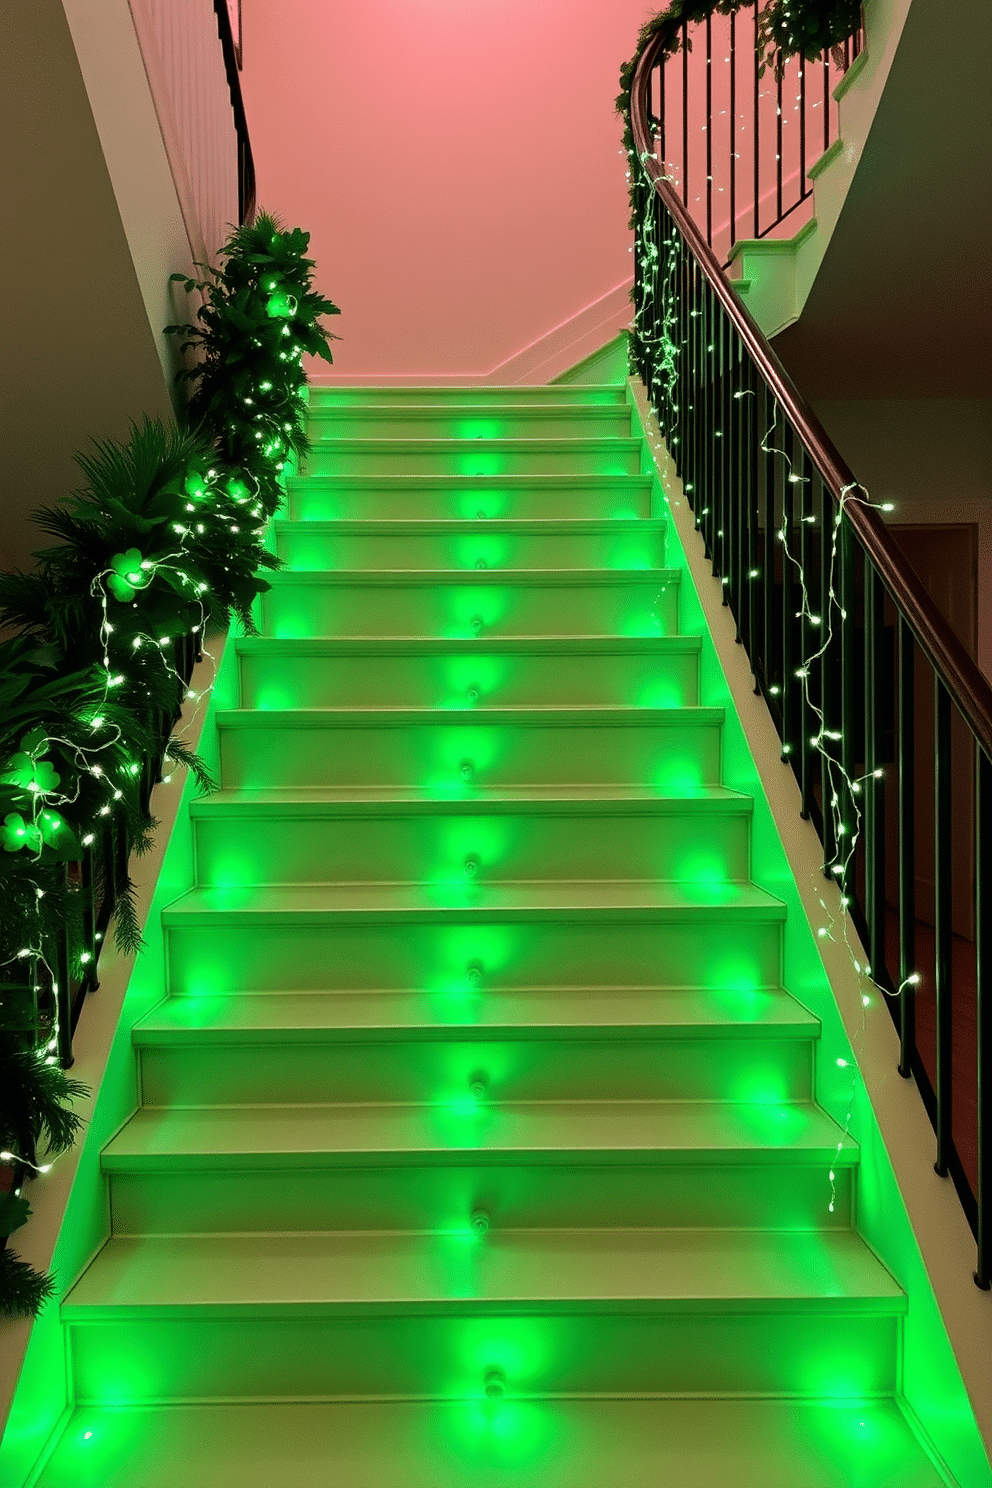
[(785, 28), (166, 535)]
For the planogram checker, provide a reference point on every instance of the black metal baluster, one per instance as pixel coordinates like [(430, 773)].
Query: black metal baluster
[(808, 633), (766, 436), (983, 993), (849, 709), (942, 924), (803, 190), (662, 110), (62, 998), (907, 848), (873, 786), (790, 682), (749, 444), (828, 674), (778, 145), (826, 100)]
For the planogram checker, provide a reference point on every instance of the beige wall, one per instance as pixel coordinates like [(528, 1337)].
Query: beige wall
[(90, 237)]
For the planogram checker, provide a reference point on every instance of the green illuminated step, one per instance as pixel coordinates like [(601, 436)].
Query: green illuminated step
[(411, 497), (462, 604), (677, 1271), (193, 1070), (477, 1011), (547, 1164), (353, 935), (425, 671), (488, 395), (472, 457), (521, 1443), (448, 1356), (675, 750), (241, 839), (416, 420), (616, 543)]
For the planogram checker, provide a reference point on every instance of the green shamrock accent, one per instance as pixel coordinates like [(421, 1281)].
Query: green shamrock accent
[(18, 833), (37, 776), (128, 575), (196, 486), (280, 306)]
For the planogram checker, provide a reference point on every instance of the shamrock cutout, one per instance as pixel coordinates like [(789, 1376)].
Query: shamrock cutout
[(128, 575), (17, 833), (196, 486), (280, 306), (37, 776)]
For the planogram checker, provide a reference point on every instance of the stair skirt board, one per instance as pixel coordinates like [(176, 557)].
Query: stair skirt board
[(478, 1138)]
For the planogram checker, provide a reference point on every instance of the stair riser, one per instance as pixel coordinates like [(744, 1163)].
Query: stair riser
[(448, 1357), (308, 550), (275, 681), (468, 458), (327, 425), (553, 1195), (434, 754), (521, 1070), (249, 955), (303, 848), (464, 500), (489, 398), (303, 606)]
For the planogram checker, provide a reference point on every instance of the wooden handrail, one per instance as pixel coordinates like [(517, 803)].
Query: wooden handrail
[(969, 688)]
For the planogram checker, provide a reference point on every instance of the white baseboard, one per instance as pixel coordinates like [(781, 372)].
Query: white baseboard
[(538, 362)]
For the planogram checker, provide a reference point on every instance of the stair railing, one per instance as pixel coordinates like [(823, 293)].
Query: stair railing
[(861, 673), (738, 145)]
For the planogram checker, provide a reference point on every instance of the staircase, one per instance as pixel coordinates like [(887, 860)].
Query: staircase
[(477, 1141)]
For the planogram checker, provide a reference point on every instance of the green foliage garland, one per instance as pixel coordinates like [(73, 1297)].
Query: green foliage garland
[(166, 535), (785, 28)]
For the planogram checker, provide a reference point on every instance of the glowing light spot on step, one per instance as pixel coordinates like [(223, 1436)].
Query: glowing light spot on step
[(463, 673), (481, 551), (480, 462), (643, 622), (298, 625), (476, 748), (761, 1084), (704, 868), (481, 504), (474, 612), (480, 428), (506, 1434), (678, 775), (659, 692), (775, 1125), (275, 695), (87, 1436), (314, 555)]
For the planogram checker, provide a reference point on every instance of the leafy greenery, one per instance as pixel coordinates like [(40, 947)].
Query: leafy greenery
[(165, 536)]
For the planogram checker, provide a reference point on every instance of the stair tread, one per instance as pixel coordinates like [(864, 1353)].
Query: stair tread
[(615, 1132), (479, 578), (562, 898), (569, 645), (513, 444), (542, 1270), (414, 801), (471, 1442), (431, 526), (571, 480), (565, 714), (564, 1012)]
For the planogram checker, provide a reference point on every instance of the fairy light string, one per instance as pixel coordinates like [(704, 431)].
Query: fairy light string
[(167, 538)]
